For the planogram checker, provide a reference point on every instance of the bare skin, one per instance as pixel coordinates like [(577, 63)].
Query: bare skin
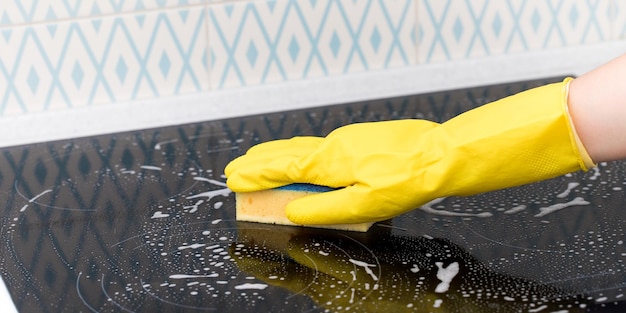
[(597, 105)]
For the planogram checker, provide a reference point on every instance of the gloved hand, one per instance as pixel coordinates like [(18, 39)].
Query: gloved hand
[(384, 169)]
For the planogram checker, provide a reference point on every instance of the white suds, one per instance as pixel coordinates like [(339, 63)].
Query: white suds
[(567, 191), (212, 181), (559, 206), (446, 275), (193, 208), (596, 173), (193, 246), (39, 196), (150, 167), (437, 303), (539, 309), (428, 207), (185, 276), (247, 286), (210, 194), (516, 209), (365, 266), (159, 214), (158, 145)]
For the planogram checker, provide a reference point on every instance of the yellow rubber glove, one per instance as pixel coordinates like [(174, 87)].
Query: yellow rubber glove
[(384, 169)]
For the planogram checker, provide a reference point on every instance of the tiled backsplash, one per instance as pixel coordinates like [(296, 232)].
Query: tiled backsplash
[(63, 54), (452, 30), (258, 42)]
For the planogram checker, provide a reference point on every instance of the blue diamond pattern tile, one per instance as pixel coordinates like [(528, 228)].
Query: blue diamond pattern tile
[(77, 74), (35, 11), (183, 14), (294, 48), (164, 64), (51, 16), (228, 8), (536, 19), (496, 25), (271, 5), (103, 60), (332, 38), (52, 29), (95, 10), (141, 18), (33, 79), (88, 52), (121, 69), (204, 61), (252, 54), (4, 86), (212, 58), (5, 20), (573, 16), (335, 44), (452, 30), (96, 23), (458, 29), (6, 35), (375, 39)]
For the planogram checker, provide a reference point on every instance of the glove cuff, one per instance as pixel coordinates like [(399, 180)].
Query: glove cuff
[(584, 155)]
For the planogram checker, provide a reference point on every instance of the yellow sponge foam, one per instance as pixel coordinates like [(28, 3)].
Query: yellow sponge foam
[(268, 206)]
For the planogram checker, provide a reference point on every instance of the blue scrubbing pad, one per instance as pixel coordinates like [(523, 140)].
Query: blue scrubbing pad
[(305, 187)]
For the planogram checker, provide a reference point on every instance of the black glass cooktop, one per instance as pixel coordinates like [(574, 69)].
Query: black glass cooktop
[(143, 222)]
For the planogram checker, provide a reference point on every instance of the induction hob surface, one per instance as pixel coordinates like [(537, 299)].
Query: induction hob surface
[(143, 222)]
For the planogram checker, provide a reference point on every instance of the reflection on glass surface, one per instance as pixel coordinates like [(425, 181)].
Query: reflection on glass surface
[(379, 272)]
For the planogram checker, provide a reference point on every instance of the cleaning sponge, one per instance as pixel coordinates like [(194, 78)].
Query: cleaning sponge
[(268, 206)]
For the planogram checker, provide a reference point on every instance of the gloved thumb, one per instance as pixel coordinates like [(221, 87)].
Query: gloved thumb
[(352, 204)]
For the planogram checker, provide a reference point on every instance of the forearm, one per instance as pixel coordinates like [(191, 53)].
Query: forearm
[(597, 105)]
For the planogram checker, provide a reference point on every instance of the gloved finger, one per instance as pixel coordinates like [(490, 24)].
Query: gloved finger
[(280, 172), (276, 168), (385, 129), (257, 155), (299, 142), (352, 204), (271, 175), (254, 177)]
